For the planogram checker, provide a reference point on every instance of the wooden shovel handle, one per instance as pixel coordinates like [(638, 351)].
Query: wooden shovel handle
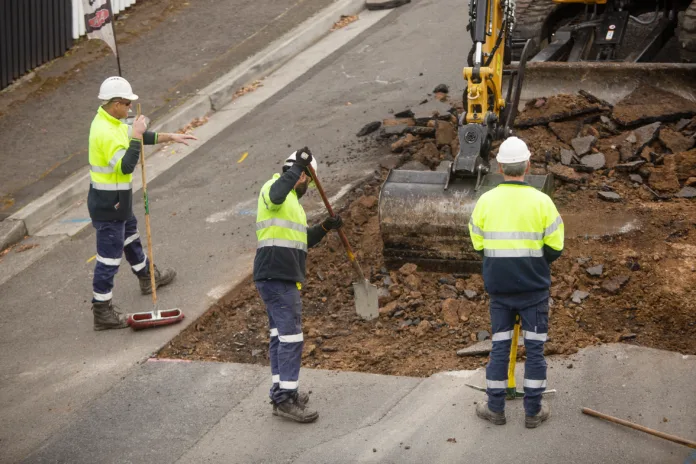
[(616, 420), (341, 233)]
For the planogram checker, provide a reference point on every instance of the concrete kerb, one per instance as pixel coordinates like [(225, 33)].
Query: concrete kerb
[(58, 200)]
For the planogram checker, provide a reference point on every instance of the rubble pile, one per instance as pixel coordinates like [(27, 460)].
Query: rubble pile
[(632, 283)]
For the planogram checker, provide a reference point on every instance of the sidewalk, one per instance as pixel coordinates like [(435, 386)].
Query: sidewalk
[(169, 49), (166, 412)]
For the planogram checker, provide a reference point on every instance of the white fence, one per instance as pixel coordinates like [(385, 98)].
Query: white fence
[(78, 19)]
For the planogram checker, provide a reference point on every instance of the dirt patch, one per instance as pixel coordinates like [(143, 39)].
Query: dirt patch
[(644, 242)]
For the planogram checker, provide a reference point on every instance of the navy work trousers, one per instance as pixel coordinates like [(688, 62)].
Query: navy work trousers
[(535, 327), (113, 238), (284, 308)]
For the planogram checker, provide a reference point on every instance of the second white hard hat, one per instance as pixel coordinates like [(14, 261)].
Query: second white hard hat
[(116, 87), (291, 160), (513, 150)]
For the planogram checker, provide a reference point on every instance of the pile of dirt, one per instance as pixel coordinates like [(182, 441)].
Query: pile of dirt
[(627, 273)]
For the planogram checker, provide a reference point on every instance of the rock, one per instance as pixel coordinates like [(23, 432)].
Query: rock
[(399, 122), (420, 130), (686, 192), (567, 156), (383, 296), (442, 88), (483, 335), (313, 333), (690, 181), (664, 179), (610, 196), (408, 269), (583, 145), (402, 143), (636, 178), (309, 351), (629, 336), (632, 138), (444, 133), (447, 292), (404, 114), (452, 310), (578, 296), (414, 166), (567, 174), (646, 134), (595, 161), (461, 285), (595, 271), (412, 281), (428, 155), (686, 164), (369, 128), (612, 286), (389, 309), (423, 328), (330, 349), (447, 280), (255, 353), (470, 294), (674, 141), (384, 4), (631, 166), (399, 313)]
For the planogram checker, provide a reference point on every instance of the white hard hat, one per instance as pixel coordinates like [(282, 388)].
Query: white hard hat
[(513, 150), (116, 87), (291, 160)]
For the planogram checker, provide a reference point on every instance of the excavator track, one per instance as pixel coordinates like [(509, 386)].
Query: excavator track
[(529, 14), (687, 35)]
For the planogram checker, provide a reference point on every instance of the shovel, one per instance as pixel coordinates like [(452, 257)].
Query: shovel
[(366, 301), (154, 318)]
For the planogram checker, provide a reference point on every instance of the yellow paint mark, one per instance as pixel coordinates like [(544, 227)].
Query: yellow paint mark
[(243, 157), (91, 259)]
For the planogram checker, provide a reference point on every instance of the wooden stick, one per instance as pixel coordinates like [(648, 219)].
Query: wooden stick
[(681, 441), (147, 221)]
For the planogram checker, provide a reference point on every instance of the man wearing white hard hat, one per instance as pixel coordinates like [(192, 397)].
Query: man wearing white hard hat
[(114, 151), (279, 272), (519, 232)]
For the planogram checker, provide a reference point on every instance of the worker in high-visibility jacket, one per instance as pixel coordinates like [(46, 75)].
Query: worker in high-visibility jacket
[(519, 232), (114, 151), (279, 271)]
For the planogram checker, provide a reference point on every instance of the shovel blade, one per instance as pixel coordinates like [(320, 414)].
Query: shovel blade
[(366, 300)]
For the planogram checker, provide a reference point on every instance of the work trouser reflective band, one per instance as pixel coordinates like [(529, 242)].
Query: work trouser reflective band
[(534, 321), (113, 239), (284, 309)]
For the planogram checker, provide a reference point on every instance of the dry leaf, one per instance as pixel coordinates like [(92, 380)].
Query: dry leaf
[(344, 21)]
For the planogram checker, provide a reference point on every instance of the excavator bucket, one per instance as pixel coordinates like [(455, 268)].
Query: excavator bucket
[(424, 216)]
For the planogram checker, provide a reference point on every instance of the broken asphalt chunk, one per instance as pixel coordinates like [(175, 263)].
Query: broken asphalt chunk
[(631, 166), (567, 156), (567, 174), (595, 271), (595, 161), (369, 128), (442, 88), (583, 145), (686, 192), (648, 104), (613, 285)]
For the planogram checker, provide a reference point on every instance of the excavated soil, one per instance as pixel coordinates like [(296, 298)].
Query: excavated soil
[(643, 294)]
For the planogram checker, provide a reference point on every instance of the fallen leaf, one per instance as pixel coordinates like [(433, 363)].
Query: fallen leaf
[(344, 21)]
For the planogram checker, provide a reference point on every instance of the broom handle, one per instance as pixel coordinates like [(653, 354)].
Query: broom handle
[(147, 222), (675, 439), (344, 239)]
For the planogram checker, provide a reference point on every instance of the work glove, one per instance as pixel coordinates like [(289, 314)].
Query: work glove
[(303, 157), (332, 223)]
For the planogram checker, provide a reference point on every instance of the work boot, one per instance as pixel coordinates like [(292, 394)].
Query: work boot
[(106, 317), (293, 409), (532, 422), (302, 398), (482, 410), (161, 279)]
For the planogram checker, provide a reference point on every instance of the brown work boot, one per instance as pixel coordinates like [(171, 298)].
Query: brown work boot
[(482, 410), (532, 422), (293, 409), (302, 398), (106, 317), (161, 279)]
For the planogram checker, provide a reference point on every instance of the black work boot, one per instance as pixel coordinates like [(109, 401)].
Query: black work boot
[(106, 317), (482, 410), (161, 279), (293, 409), (302, 398), (532, 422)]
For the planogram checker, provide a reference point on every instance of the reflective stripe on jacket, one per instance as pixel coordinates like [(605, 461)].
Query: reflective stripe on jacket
[(520, 232), (281, 233)]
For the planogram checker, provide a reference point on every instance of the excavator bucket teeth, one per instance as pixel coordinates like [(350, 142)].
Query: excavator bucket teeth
[(424, 218)]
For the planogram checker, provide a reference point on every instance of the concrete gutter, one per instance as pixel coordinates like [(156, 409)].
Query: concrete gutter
[(60, 199)]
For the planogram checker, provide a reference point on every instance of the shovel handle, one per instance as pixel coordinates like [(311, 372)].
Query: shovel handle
[(344, 239)]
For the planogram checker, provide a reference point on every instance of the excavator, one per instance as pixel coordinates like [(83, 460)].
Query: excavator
[(424, 215)]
